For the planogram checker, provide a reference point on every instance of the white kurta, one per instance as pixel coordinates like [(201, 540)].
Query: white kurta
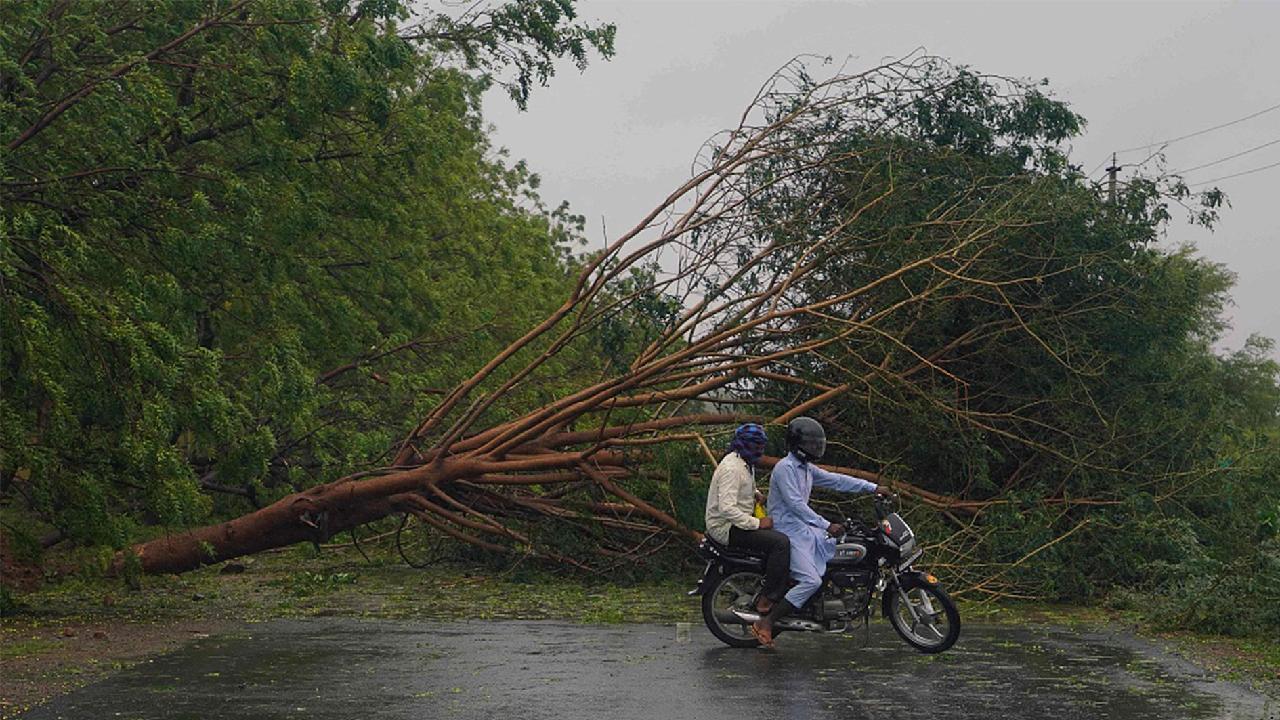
[(731, 498), (789, 487)]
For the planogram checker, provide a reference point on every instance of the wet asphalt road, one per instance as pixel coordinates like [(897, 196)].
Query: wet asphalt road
[(325, 669)]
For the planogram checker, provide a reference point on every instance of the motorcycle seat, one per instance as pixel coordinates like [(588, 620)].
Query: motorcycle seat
[(731, 552)]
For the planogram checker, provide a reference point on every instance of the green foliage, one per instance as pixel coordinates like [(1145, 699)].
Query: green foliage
[(246, 249), (687, 471), (131, 570), (252, 259), (307, 582), (9, 603), (1067, 375), (1218, 568), (527, 36)]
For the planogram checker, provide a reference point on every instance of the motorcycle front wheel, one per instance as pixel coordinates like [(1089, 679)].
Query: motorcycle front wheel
[(734, 591), (927, 620)]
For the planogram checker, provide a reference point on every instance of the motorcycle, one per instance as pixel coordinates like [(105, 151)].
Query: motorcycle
[(870, 562)]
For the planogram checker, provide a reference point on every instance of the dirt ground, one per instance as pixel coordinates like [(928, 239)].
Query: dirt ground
[(41, 660)]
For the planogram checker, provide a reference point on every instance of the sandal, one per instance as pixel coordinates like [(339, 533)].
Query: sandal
[(765, 639)]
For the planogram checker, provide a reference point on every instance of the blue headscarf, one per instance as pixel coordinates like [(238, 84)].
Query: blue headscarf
[(748, 441)]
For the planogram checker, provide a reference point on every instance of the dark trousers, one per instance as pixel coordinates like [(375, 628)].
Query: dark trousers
[(777, 565)]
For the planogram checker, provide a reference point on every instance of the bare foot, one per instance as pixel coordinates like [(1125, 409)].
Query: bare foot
[(763, 633)]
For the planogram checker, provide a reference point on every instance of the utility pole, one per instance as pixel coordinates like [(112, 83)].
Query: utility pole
[(1111, 180)]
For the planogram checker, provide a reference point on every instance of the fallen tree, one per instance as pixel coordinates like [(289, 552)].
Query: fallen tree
[(223, 284), (784, 276)]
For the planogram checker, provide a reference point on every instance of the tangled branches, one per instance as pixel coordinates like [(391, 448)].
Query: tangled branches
[(852, 241)]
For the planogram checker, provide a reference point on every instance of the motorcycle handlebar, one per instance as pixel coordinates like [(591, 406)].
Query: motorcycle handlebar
[(884, 505)]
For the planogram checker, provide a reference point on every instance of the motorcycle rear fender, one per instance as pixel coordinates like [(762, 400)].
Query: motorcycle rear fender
[(906, 580), (707, 579)]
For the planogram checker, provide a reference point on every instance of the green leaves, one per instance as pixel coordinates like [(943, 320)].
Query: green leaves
[(1038, 353), (210, 258), (525, 36)]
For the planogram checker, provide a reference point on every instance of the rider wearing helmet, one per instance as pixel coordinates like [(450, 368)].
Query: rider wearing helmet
[(730, 501), (812, 536)]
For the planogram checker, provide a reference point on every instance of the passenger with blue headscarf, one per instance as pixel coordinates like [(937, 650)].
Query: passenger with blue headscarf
[(730, 521), (812, 536)]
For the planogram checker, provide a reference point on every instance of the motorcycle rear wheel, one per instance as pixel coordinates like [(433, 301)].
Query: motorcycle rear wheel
[(734, 591), (938, 625)]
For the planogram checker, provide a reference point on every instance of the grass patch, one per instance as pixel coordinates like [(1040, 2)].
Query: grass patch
[(13, 649), (299, 582)]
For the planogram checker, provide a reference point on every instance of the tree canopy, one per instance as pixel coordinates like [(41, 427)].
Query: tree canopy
[(244, 243), (261, 265)]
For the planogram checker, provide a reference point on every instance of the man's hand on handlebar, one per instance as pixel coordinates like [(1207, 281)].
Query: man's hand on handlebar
[(883, 490), (835, 529)]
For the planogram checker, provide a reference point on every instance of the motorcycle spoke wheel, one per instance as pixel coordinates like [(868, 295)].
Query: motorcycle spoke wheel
[(734, 592), (924, 617)]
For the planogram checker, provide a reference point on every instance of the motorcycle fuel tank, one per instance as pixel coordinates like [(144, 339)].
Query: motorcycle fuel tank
[(849, 552)]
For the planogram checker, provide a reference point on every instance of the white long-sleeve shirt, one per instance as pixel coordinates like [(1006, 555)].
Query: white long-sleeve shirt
[(789, 487), (731, 498)]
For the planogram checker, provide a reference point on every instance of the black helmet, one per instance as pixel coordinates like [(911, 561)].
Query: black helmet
[(806, 438)]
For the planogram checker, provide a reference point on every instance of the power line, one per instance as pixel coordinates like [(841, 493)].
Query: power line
[(1180, 138), (1095, 169), (1229, 157), (1233, 175)]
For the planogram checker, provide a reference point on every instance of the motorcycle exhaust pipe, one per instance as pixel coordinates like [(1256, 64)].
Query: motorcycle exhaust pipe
[(798, 624), (783, 624)]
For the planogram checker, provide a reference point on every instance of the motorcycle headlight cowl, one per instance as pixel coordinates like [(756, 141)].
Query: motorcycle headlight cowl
[(900, 533)]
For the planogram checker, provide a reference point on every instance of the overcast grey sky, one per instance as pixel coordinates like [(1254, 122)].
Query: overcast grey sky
[(616, 139)]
